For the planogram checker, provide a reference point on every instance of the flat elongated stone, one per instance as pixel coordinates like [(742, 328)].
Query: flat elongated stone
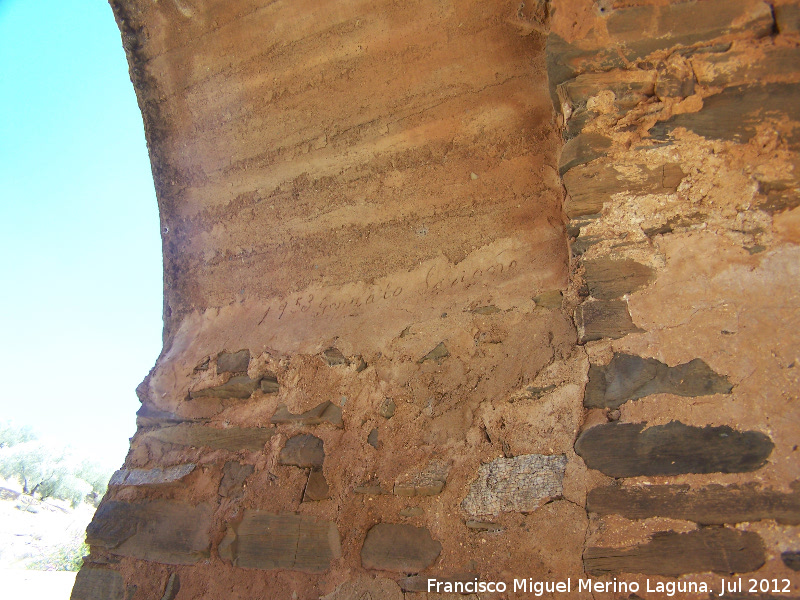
[(241, 387), (93, 583), (715, 549), (630, 450), (269, 384), (233, 438), (162, 531), (519, 484), (637, 31), (733, 68), (156, 476), (403, 548), (608, 279), (710, 505), (439, 353), (427, 482), (791, 559), (281, 541), (233, 475), (629, 377), (326, 412), (603, 319), (582, 149), (304, 451), (593, 184), (233, 362), (172, 588), (734, 113), (147, 416)]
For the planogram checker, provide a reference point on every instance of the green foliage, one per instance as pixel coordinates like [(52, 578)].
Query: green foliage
[(66, 557), (11, 435), (49, 472)]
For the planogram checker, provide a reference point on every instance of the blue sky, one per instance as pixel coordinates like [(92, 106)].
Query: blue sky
[(80, 282)]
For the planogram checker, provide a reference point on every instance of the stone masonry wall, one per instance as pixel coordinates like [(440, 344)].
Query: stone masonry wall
[(464, 290)]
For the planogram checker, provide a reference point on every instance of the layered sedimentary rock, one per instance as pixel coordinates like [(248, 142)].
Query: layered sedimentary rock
[(437, 273)]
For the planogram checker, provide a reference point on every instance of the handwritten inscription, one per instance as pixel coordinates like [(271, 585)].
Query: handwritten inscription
[(437, 280)]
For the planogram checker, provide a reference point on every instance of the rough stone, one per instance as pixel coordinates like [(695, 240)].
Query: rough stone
[(269, 383), (735, 113), (172, 588), (334, 357), (715, 549), (787, 18), (519, 484), (325, 412), (372, 438), (387, 408), (629, 377), (92, 583), (304, 451), (233, 438), (234, 474), (233, 362), (428, 482), (402, 548), (162, 531), (591, 185), (791, 559), (710, 505), (281, 541), (630, 450), (438, 354), (582, 149), (603, 319), (551, 300), (240, 387), (316, 487), (147, 416), (608, 279), (156, 476)]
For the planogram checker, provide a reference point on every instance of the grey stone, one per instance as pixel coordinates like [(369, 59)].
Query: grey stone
[(281, 541), (787, 18), (334, 357), (582, 149), (156, 476), (234, 474), (316, 487), (603, 319), (630, 450), (304, 451), (412, 511), (233, 362), (93, 583), (592, 185), (326, 412), (710, 505), (736, 112), (240, 387), (482, 525), (198, 436), (715, 549), (147, 416), (387, 408), (162, 531), (791, 559), (551, 300), (366, 588), (519, 484), (438, 354), (428, 482), (608, 279), (172, 588), (402, 548), (629, 377), (372, 438), (269, 383)]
